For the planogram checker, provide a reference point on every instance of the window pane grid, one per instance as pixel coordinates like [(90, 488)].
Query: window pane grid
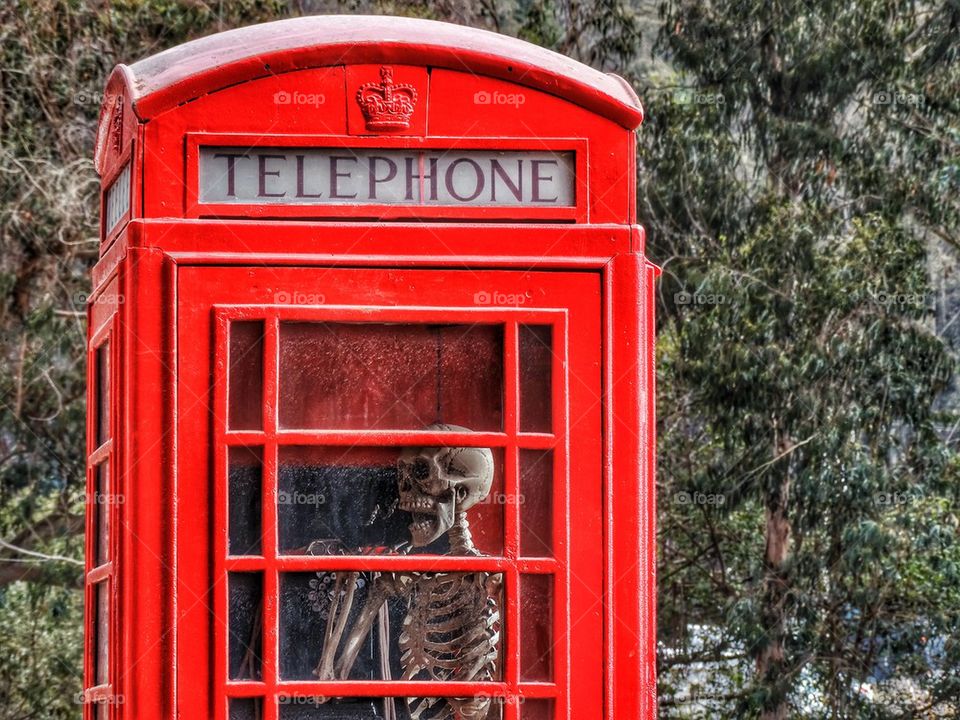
[(271, 563), (101, 499)]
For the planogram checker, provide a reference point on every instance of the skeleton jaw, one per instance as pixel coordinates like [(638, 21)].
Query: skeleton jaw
[(430, 519)]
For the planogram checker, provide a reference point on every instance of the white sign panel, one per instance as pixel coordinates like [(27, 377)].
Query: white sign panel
[(338, 176), (118, 200)]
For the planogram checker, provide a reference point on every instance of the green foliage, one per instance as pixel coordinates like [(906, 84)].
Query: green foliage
[(791, 154), (42, 652)]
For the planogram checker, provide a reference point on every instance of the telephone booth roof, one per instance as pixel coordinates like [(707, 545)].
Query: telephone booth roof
[(212, 63)]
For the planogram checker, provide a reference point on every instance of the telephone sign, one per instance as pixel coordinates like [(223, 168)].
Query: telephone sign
[(335, 175)]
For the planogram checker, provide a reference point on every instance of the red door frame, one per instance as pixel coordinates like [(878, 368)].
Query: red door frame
[(207, 288)]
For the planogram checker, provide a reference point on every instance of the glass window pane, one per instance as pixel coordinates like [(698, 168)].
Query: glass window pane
[(246, 625), (536, 627), (102, 499), (246, 709), (378, 376), (244, 502), (382, 626), (245, 375), (536, 709), (339, 500), (307, 708), (536, 503), (536, 358), (102, 625), (102, 373)]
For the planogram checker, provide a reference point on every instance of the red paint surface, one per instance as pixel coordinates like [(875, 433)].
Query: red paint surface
[(174, 273)]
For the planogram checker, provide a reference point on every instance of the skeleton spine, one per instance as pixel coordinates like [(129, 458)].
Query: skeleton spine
[(461, 541)]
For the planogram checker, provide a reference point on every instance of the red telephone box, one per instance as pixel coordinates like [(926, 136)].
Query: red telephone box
[(371, 382)]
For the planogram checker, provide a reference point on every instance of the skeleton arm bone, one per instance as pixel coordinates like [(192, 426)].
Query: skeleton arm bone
[(358, 633), (336, 622), (329, 669)]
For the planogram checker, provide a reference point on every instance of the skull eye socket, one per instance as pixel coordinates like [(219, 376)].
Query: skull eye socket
[(420, 469)]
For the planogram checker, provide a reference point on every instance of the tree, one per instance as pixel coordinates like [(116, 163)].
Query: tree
[(792, 177)]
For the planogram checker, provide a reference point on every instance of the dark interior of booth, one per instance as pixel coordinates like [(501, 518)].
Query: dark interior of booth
[(336, 499)]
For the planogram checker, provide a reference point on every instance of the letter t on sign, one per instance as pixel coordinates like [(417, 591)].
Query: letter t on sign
[(231, 171)]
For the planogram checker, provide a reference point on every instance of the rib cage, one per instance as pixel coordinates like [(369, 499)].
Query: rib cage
[(451, 632)]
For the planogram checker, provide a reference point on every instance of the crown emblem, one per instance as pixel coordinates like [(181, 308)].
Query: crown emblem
[(385, 105), (116, 124)]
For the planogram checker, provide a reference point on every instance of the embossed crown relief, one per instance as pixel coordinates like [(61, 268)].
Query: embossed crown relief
[(116, 125), (387, 105)]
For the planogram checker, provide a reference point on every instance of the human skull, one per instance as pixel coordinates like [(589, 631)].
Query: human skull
[(436, 483)]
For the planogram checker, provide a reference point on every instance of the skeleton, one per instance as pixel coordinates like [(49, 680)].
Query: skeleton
[(451, 629)]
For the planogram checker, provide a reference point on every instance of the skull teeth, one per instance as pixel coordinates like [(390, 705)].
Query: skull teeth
[(424, 526), (418, 505)]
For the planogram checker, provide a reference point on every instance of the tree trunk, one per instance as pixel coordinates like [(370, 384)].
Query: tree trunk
[(771, 669)]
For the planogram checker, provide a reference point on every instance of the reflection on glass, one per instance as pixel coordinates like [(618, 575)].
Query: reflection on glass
[(103, 499), (246, 709), (536, 709), (344, 625), (536, 627), (103, 392), (334, 500), (245, 625), (536, 357), (244, 500), (378, 376), (102, 624), (316, 708), (536, 503), (245, 375)]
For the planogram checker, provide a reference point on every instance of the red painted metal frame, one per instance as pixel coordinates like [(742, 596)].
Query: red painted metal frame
[(159, 566), (511, 439), (627, 295), (188, 71), (451, 113), (464, 213), (96, 573), (150, 319)]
